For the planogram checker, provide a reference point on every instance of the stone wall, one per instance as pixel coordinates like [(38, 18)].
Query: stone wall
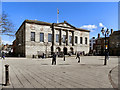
[(20, 42), (30, 48), (33, 47)]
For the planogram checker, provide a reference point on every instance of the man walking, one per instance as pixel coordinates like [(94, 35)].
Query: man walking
[(54, 59), (3, 55), (78, 56)]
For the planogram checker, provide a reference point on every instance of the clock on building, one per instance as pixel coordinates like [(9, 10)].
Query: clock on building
[(32, 27), (41, 28)]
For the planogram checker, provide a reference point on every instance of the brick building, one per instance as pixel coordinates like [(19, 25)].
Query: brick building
[(99, 46), (114, 45)]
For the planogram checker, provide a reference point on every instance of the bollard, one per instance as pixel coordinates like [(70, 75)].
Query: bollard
[(7, 75)]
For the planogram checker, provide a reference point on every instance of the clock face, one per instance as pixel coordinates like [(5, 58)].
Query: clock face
[(41, 28), (32, 27), (81, 34)]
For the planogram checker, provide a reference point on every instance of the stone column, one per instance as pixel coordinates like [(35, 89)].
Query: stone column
[(54, 37), (60, 39), (52, 47), (73, 43), (67, 36)]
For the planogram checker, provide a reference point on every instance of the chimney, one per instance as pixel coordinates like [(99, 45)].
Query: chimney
[(111, 31), (98, 35)]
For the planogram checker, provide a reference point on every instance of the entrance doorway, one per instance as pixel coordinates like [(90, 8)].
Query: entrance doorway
[(58, 49), (65, 50), (71, 50)]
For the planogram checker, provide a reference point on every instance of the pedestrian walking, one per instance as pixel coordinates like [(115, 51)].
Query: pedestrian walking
[(3, 55), (78, 56), (54, 59), (43, 56)]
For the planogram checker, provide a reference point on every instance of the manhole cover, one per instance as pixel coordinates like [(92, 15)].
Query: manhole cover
[(64, 64), (44, 64)]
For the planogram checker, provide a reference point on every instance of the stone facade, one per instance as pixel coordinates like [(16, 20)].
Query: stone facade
[(26, 47), (92, 42)]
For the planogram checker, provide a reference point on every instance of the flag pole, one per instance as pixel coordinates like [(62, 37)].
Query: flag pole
[(57, 15)]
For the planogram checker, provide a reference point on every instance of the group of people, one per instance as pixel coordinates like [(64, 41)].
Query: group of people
[(54, 58), (78, 54)]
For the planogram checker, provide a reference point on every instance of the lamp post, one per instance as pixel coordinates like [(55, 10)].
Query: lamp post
[(46, 44), (105, 33), (20, 49)]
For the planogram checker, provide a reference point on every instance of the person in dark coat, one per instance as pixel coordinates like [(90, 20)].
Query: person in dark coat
[(54, 59), (43, 56), (3, 55), (78, 56)]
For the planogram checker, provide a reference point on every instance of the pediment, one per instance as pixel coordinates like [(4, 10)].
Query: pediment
[(65, 24)]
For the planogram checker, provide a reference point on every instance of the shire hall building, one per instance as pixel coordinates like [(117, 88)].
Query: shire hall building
[(34, 38)]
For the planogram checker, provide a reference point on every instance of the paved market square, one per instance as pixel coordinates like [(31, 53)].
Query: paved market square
[(39, 73)]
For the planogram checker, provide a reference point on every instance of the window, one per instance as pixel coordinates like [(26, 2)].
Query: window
[(57, 37), (98, 41), (41, 37), (85, 40), (76, 39), (49, 37), (32, 36), (81, 40), (106, 41), (64, 37), (90, 48), (70, 39), (98, 46), (90, 44)]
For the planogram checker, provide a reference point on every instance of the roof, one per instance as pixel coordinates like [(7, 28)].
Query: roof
[(49, 24), (38, 22), (102, 38), (115, 33)]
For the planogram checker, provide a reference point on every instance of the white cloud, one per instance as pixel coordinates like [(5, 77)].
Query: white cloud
[(101, 25), (6, 42), (89, 27)]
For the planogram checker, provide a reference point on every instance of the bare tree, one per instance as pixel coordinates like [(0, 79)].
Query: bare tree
[(6, 26)]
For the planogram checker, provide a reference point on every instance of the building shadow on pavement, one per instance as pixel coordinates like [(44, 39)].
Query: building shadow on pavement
[(101, 59)]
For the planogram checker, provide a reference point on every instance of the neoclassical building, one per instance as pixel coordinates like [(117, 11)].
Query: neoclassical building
[(36, 37)]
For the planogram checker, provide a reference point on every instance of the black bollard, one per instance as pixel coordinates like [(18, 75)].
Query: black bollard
[(7, 75)]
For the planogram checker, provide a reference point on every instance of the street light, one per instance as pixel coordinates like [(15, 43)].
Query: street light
[(19, 51), (105, 33)]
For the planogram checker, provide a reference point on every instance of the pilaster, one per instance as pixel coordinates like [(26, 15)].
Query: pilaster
[(73, 38)]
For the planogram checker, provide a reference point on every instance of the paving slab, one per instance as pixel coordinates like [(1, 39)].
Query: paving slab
[(39, 73)]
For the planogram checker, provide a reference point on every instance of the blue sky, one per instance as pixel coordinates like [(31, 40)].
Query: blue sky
[(88, 15)]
